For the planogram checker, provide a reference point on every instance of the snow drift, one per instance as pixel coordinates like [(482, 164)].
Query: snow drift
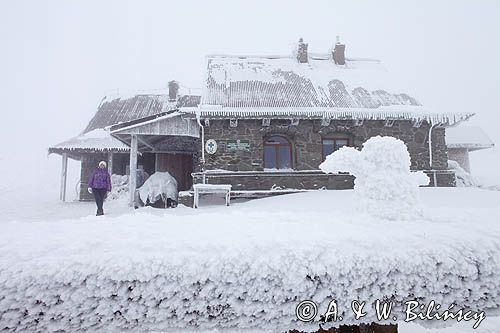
[(247, 265), (463, 178), (384, 182), (119, 187)]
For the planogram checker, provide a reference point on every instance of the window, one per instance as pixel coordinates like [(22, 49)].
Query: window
[(331, 145), (277, 153)]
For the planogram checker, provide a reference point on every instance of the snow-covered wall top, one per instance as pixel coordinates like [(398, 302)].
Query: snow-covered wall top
[(98, 139), (274, 83), (470, 137)]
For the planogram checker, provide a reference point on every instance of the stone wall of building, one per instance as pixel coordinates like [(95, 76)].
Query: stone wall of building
[(301, 180), (441, 178), (307, 152), (267, 180), (306, 139)]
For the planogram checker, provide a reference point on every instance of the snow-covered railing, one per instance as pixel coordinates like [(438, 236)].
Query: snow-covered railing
[(270, 173)]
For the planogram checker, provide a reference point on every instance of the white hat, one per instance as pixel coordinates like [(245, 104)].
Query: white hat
[(103, 163)]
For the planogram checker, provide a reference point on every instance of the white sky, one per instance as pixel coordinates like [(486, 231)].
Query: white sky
[(59, 58)]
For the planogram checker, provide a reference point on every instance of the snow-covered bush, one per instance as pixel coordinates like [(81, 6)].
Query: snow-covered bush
[(384, 184), (463, 178)]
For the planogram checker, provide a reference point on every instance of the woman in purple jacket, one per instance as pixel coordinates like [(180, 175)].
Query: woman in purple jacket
[(99, 184)]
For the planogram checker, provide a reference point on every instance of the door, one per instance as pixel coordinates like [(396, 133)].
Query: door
[(180, 166)]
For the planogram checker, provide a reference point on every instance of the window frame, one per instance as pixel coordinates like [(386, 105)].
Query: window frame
[(276, 147), (334, 138)]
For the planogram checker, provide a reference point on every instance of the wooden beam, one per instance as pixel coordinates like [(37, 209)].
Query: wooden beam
[(145, 143), (64, 174), (133, 169), (110, 162)]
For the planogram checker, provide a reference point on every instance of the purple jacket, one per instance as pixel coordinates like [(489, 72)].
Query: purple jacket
[(100, 179)]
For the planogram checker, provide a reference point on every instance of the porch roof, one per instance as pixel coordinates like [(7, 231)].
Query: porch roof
[(97, 140), (153, 128), (467, 137), (124, 109)]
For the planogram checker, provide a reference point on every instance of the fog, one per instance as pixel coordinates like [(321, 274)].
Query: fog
[(59, 58)]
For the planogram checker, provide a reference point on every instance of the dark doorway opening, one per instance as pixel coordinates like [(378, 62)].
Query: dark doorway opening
[(180, 166), (147, 161)]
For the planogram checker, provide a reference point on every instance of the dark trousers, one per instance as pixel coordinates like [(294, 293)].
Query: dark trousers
[(99, 195)]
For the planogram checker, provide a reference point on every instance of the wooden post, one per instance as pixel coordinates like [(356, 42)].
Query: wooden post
[(110, 162), (133, 168), (467, 161), (64, 174), (196, 197)]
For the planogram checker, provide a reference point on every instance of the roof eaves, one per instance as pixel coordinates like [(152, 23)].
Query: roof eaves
[(445, 119), (141, 121), (470, 146)]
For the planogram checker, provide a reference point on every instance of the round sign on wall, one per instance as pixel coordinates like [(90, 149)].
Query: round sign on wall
[(211, 146)]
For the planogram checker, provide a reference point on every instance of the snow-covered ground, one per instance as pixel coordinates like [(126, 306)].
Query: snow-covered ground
[(248, 264)]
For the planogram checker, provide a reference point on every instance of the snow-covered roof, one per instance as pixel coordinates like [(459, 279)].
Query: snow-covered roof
[(469, 137), (165, 123), (119, 110), (279, 85), (95, 140)]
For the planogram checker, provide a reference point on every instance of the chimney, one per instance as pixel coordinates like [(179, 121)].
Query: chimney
[(302, 52), (339, 53), (173, 90)]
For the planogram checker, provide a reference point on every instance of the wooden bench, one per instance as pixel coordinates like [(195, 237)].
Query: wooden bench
[(211, 189)]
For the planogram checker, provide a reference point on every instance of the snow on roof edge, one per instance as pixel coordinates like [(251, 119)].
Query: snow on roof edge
[(391, 112), (150, 121), (97, 139), (471, 146), (471, 137)]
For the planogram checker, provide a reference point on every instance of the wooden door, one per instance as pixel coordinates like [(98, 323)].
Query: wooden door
[(180, 166)]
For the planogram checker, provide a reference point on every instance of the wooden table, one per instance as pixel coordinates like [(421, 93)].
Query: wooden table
[(211, 189)]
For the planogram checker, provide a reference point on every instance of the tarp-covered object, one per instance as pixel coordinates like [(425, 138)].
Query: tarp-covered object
[(159, 185)]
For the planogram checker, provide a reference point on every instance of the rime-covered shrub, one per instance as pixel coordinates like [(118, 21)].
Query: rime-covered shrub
[(384, 184)]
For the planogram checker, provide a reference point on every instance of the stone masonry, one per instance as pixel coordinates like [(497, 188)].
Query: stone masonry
[(307, 151), (306, 139)]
